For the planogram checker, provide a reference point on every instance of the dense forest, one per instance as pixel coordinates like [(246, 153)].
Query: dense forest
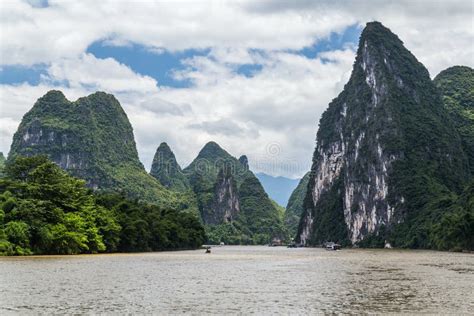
[(43, 210)]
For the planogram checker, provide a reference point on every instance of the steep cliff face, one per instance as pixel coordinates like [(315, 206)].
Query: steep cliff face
[(231, 200), (384, 147), (90, 138), (225, 206), (166, 169)]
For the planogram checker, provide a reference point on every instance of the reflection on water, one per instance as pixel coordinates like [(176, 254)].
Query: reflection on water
[(260, 280)]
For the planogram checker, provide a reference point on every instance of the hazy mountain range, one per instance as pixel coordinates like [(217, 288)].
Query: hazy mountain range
[(278, 188)]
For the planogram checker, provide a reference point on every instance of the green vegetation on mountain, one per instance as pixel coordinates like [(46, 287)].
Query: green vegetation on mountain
[(211, 159), (43, 210), (259, 212), (446, 221), (92, 139), (280, 209), (232, 202), (294, 208), (389, 163), (166, 169), (456, 85)]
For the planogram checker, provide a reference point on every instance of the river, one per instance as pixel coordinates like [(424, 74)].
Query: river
[(240, 279)]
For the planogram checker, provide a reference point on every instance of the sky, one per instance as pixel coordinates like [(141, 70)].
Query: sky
[(253, 76)]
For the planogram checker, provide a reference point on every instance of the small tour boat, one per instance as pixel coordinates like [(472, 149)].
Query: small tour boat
[(332, 246)]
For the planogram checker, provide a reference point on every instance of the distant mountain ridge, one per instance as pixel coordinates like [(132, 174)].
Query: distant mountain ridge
[(278, 188)]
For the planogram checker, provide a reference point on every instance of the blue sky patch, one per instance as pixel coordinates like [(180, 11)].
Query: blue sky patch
[(16, 74), (249, 70), (335, 41), (158, 65), (38, 3)]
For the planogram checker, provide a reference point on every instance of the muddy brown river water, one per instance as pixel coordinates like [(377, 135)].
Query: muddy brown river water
[(240, 280)]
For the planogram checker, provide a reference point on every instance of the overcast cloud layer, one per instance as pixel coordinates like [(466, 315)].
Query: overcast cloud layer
[(270, 115)]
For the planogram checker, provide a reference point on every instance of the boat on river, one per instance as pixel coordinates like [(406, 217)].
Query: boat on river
[(332, 246)]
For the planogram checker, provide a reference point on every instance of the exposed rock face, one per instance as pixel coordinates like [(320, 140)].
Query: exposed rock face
[(215, 177), (225, 206), (90, 138), (386, 126), (43, 131), (229, 193), (166, 169)]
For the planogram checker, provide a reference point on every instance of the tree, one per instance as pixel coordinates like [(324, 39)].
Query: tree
[(47, 211)]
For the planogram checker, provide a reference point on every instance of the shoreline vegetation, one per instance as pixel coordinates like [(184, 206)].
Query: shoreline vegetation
[(46, 211)]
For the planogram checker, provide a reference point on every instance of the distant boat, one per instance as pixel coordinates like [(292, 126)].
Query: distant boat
[(208, 250), (276, 242), (222, 243), (332, 246)]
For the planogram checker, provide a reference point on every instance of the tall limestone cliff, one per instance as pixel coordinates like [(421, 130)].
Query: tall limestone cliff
[(166, 169), (385, 150), (225, 206), (232, 202), (90, 138)]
